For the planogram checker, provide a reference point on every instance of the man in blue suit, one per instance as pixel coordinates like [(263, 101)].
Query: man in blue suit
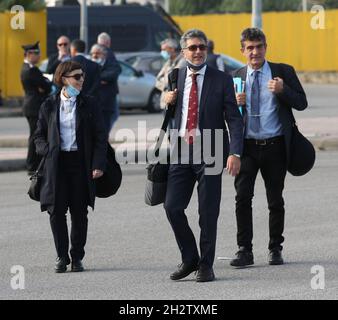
[(204, 103), (91, 69)]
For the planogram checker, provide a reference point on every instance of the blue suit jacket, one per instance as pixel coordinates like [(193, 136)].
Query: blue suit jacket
[(217, 106)]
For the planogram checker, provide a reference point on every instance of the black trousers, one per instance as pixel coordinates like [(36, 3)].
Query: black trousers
[(271, 161), (181, 181), (33, 160), (72, 193)]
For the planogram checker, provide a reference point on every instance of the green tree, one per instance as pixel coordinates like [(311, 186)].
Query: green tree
[(187, 7), (29, 5)]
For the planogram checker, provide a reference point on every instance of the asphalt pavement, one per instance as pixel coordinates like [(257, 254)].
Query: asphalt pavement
[(131, 249)]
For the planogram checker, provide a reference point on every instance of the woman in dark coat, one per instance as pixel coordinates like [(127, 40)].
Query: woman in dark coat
[(71, 138)]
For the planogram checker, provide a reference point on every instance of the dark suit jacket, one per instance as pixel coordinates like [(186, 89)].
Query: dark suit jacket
[(293, 96), (217, 105), (32, 79), (108, 91), (53, 63), (90, 137), (92, 79)]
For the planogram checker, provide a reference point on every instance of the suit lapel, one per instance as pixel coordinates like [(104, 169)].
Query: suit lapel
[(205, 91), (274, 70), (180, 87)]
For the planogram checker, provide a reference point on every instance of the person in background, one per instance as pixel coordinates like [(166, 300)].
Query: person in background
[(272, 91), (63, 54), (170, 52), (90, 68), (107, 89), (214, 60), (104, 40), (70, 136), (36, 88)]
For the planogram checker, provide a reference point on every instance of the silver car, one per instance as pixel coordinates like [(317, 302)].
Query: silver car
[(137, 89)]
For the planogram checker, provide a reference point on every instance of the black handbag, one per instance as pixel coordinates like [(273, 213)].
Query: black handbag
[(302, 153), (110, 182), (157, 173), (36, 179)]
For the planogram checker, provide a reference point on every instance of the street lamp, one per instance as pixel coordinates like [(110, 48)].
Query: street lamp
[(84, 22), (256, 21)]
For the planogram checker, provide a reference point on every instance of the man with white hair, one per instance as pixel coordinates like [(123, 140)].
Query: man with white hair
[(109, 73), (104, 40), (170, 51)]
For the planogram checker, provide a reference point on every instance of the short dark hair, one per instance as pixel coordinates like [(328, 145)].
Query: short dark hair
[(64, 68), (252, 34), (79, 45)]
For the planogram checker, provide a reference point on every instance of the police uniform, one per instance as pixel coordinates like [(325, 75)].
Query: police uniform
[(36, 88)]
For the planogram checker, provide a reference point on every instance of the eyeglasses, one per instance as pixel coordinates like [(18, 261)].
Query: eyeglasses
[(62, 44), (77, 76), (194, 47)]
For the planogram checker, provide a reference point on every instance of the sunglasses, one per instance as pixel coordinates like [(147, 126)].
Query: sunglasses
[(194, 47), (77, 76), (62, 44)]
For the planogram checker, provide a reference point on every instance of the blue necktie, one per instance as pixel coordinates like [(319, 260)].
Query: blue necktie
[(255, 118)]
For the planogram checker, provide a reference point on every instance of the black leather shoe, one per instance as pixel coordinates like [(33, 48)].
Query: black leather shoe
[(61, 264), (205, 274), (243, 258), (275, 257), (77, 266), (184, 269)]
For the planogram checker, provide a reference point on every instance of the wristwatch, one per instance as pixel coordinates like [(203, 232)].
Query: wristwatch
[(236, 155)]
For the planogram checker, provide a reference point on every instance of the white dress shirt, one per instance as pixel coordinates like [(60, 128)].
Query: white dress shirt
[(185, 106), (68, 123)]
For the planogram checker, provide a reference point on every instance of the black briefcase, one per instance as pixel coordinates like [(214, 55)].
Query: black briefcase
[(110, 182), (36, 180), (157, 173), (302, 153)]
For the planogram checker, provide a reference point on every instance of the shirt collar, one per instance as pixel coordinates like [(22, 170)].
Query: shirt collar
[(65, 99), (200, 72), (30, 65), (262, 69)]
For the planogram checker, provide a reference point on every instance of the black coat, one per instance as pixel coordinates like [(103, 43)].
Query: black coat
[(32, 80), (53, 63), (90, 137), (292, 97)]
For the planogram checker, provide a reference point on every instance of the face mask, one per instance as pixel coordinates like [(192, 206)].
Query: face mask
[(195, 66), (100, 61), (165, 55), (71, 91)]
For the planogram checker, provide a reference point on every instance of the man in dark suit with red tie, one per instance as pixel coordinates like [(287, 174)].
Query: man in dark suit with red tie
[(204, 102)]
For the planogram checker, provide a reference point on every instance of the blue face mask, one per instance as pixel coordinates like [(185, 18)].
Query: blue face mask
[(165, 55), (71, 91)]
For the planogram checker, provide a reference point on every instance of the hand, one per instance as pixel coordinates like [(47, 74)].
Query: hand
[(241, 99), (104, 82), (170, 97), (276, 85), (97, 173), (41, 90), (233, 165)]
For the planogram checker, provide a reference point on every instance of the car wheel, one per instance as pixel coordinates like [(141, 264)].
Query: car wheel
[(154, 104)]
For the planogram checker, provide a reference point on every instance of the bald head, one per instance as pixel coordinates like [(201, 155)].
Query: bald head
[(63, 45)]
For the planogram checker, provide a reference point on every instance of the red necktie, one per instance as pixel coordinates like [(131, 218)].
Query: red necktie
[(192, 111)]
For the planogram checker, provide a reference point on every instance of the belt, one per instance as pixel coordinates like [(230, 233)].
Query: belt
[(265, 142)]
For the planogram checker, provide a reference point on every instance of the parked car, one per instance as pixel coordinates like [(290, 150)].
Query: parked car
[(137, 88), (147, 61)]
